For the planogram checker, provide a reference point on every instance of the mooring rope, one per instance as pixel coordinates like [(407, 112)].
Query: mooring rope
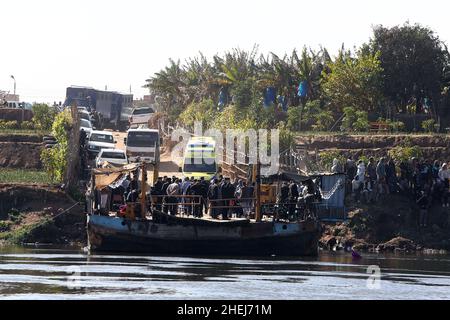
[(52, 218)]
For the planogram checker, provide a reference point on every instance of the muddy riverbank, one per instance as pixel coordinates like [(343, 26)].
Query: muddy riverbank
[(40, 214), (389, 225)]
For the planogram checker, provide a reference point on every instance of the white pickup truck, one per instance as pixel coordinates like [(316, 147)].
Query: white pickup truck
[(141, 115)]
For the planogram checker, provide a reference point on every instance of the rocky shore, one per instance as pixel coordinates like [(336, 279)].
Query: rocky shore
[(388, 226)]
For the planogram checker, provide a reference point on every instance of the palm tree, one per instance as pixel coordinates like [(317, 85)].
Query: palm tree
[(168, 84)]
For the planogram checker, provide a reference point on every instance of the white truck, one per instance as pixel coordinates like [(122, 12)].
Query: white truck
[(143, 145), (141, 116)]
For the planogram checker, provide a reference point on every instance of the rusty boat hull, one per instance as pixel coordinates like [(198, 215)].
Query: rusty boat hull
[(183, 236)]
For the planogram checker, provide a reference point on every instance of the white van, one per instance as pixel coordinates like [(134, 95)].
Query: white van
[(142, 145)]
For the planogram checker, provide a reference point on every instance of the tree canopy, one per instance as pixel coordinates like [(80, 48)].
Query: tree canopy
[(404, 68), (415, 63)]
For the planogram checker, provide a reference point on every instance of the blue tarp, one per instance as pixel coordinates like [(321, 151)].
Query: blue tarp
[(270, 96), (283, 102), (302, 89), (223, 98)]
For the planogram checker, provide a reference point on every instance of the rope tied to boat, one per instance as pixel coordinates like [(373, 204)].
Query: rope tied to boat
[(54, 217)]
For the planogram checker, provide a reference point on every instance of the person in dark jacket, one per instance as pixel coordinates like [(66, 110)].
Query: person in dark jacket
[(196, 190), (228, 191), (284, 192), (247, 193), (157, 191), (204, 186), (213, 194), (293, 196), (164, 187)]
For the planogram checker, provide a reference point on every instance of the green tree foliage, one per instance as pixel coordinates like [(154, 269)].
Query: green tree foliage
[(327, 157), (55, 159), (43, 116), (415, 62), (390, 65), (429, 125), (324, 120), (203, 111), (5, 124), (293, 119), (307, 116), (404, 153), (354, 120), (354, 81)]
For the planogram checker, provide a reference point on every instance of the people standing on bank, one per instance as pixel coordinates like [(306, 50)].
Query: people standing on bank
[(361, 171), (372, 172), (381, 176)]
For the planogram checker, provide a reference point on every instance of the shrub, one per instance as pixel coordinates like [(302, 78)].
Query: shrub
[(307, 114), (43, 116), (327, 157), (324, 120), (4, 124), (293, 119), (362, 121), (428, 125), (397, 126), (27, 125), (287, 136), (54, 160), (5, 226), (354, 120), (403, 153), (348, 119)]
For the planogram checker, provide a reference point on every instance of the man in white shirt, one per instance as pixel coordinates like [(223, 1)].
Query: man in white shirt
[(173, 190)]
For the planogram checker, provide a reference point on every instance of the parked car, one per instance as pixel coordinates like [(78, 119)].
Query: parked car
[(113, 156), (85, 115), (99, 140), (141, 115), (86, 125)]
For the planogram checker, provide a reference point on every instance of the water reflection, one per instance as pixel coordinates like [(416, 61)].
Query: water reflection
[(65, 273)]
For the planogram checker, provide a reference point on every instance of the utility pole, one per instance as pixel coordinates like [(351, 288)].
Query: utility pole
[(144, 190), (12, 77)]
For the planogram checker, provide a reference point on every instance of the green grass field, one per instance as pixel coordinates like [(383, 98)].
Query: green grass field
[(24, 176)]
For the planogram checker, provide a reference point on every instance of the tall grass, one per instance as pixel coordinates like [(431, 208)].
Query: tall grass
[(24, 176)]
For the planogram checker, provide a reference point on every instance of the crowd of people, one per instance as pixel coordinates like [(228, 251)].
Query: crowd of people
[(196, 196), (219, 197), (188, 196), (420, 179)]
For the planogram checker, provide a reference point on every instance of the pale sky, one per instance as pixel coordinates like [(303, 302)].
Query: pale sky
[(51, 44)]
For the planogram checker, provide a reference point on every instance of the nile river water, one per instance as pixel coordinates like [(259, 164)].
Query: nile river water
[(49, 273)]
